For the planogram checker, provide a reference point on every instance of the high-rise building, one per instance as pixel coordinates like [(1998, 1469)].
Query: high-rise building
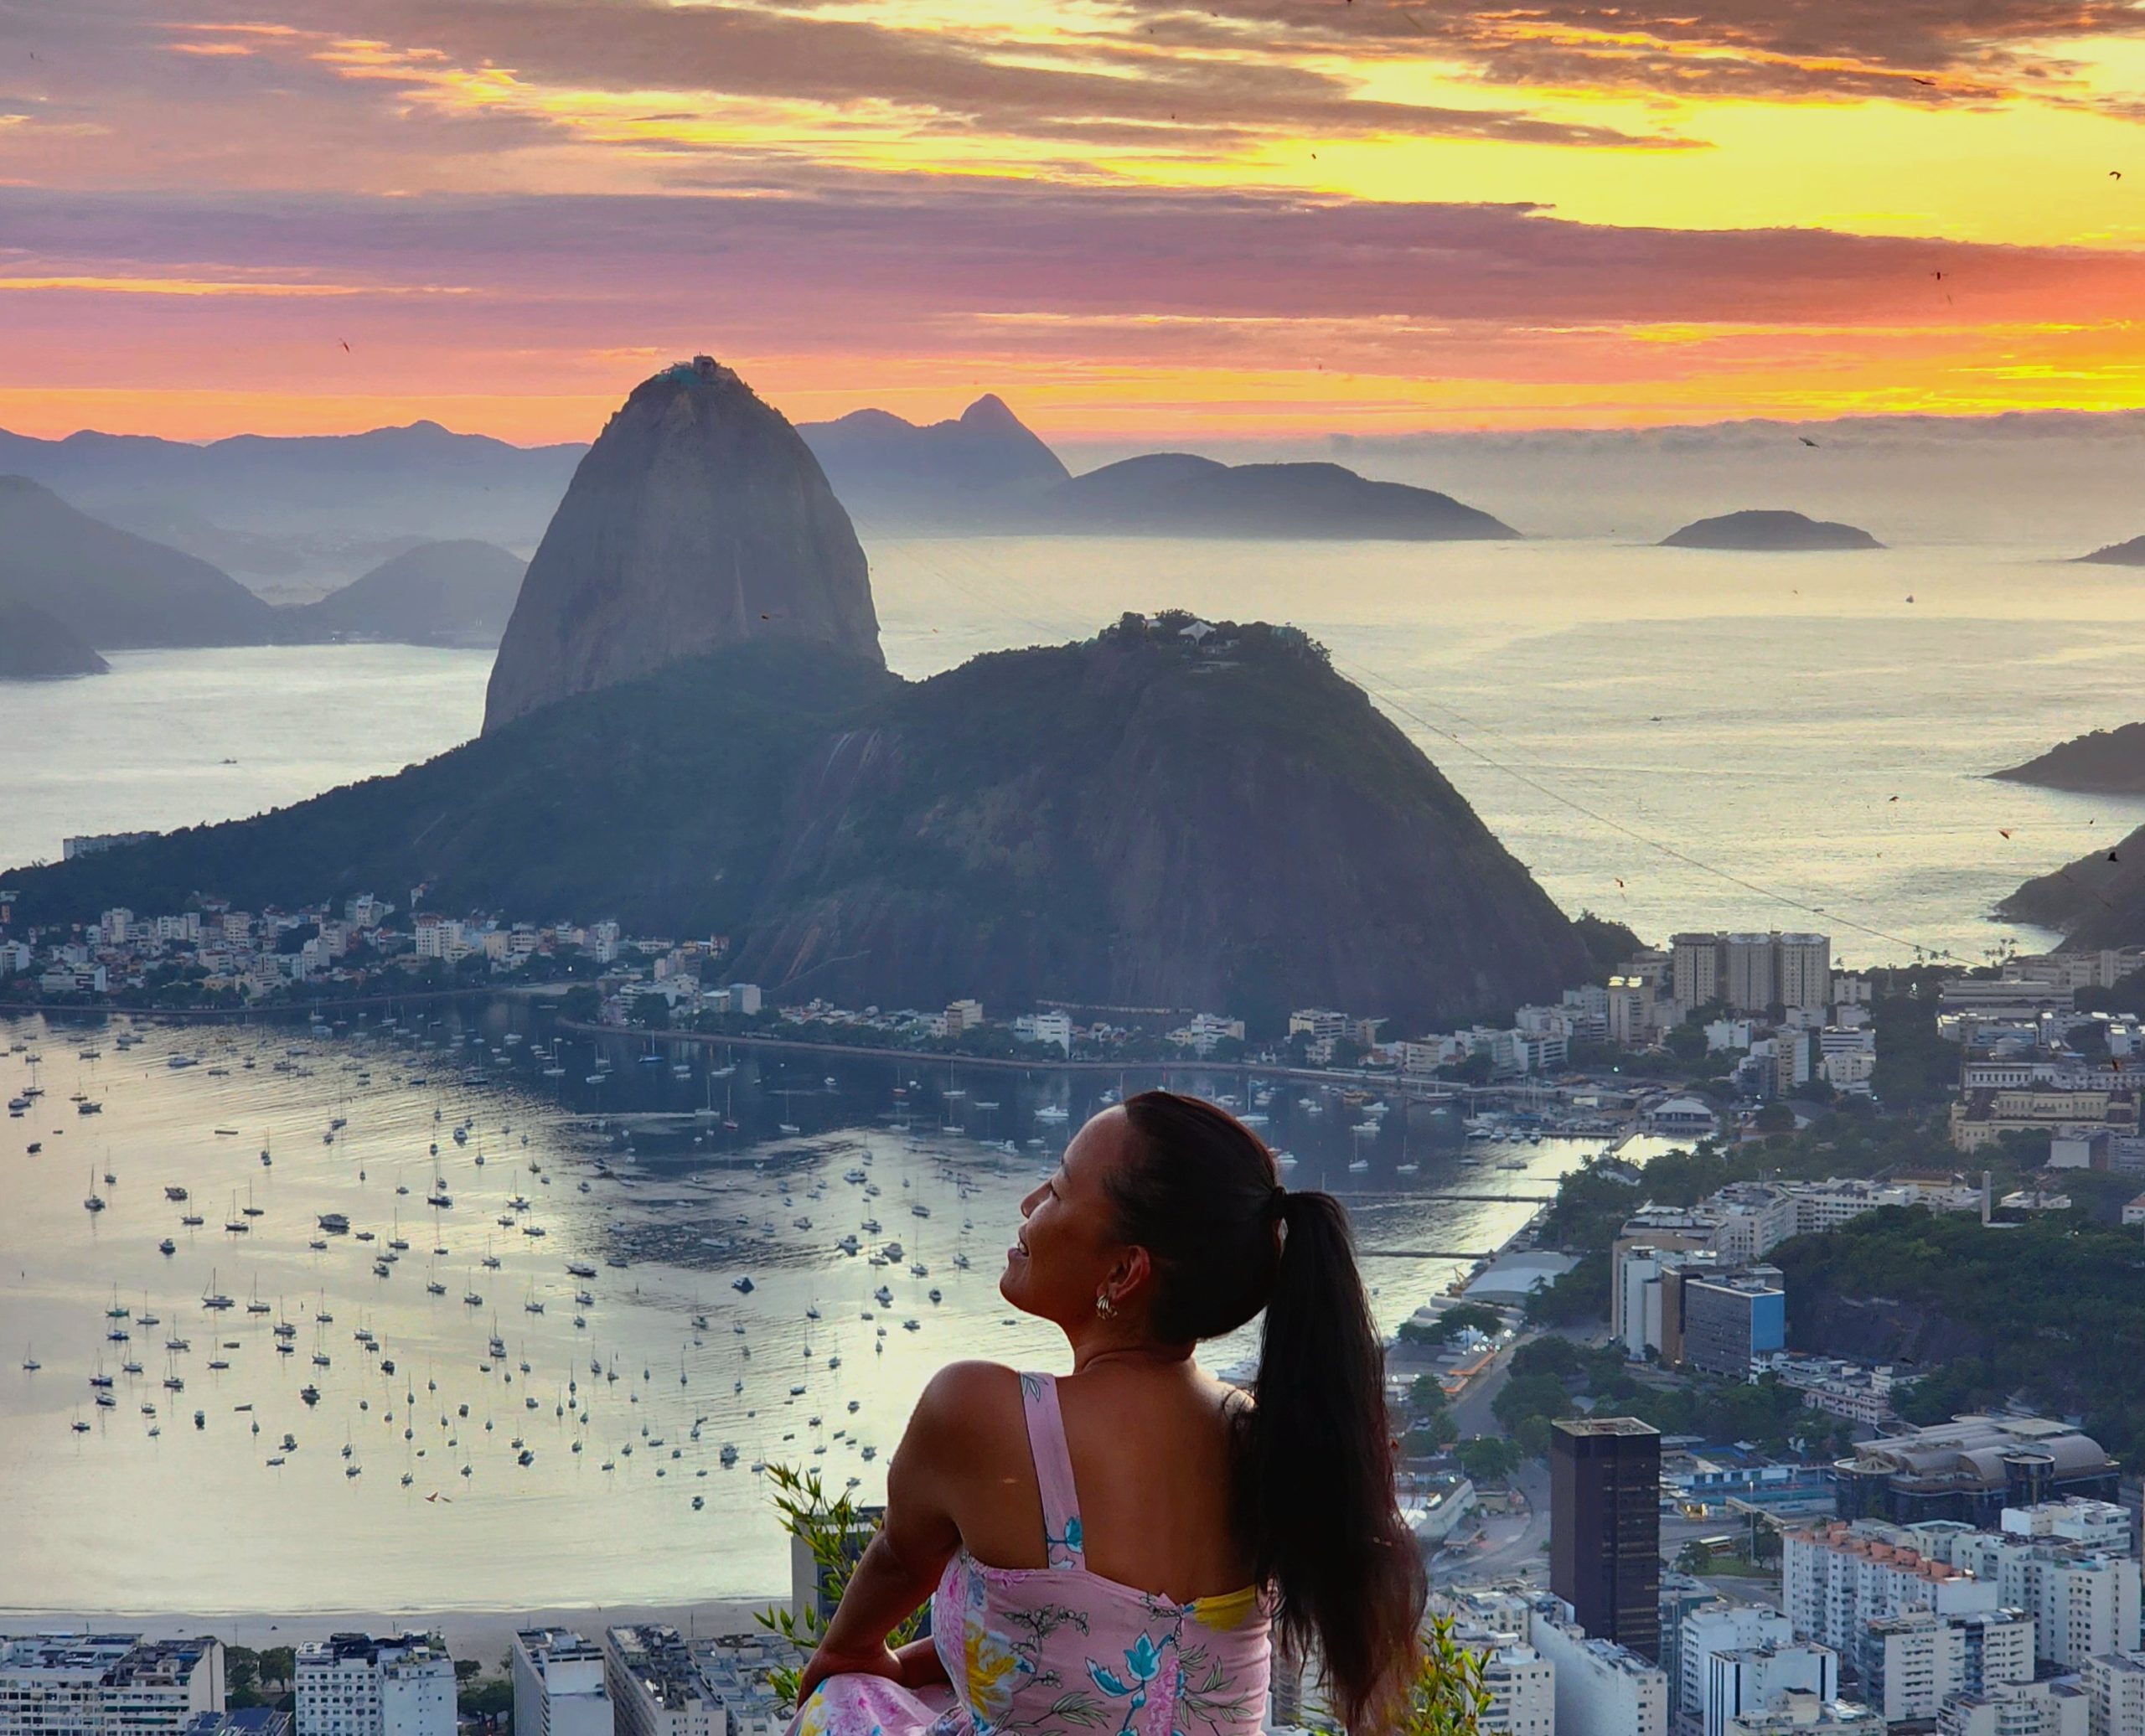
[(1519, 1682), (1753, 972), (1747, 972), (1695, 973), (2115, 1691), (1732, 1318), (1605, 1527), (2083, 1602), (1912, 1662), (1600, 1686), (354, 1685), (1759, 1677), (558, 1686), (106, 1684), (1713, 1625), (1837, 1578), (655, 1684)]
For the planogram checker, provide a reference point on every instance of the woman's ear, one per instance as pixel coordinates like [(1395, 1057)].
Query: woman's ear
[(1132, 1271)]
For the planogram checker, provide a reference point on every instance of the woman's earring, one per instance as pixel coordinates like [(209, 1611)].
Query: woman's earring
[(1104, 1305)]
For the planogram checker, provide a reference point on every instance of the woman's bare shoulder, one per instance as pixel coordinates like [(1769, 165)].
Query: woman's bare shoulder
[(965, 1397)]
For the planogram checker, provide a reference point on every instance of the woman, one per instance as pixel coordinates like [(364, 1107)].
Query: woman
[(1111, 1549)]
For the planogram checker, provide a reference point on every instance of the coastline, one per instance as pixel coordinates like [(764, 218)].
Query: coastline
[(485, 1635)]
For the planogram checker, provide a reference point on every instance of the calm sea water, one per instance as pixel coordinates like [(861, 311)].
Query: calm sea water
[(814, 1366), (1672, 738)]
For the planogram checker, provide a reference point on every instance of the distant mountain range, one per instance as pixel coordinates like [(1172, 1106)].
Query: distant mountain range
[(296, 517), (966, 473), (319, 509)]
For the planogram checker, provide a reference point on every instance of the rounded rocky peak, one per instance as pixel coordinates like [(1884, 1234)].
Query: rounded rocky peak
[(991, 412), (698, 518)]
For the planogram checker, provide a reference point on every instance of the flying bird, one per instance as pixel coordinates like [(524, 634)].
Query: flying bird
[(1806, 440), (1909, 597), (1891, 799), (2003, 831), (2114, 858), (345, 344), (2114, 174), (1619, 883)]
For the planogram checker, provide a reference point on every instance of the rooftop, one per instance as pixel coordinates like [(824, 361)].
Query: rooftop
[(1604, 1426)]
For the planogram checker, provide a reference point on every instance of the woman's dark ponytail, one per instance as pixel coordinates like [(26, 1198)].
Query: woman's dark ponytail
[(1317, 1478), (1203, 1195)]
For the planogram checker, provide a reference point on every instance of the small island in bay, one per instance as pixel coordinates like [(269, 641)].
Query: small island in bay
[(1768, 531), (34, 647), (2103, 762)]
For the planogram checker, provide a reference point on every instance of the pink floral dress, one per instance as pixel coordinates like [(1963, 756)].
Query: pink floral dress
[(1060, 1652)]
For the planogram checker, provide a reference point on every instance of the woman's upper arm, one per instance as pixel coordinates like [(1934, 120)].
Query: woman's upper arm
[(950, 1439)]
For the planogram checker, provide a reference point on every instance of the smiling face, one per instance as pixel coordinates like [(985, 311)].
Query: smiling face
[(1069, 1248)]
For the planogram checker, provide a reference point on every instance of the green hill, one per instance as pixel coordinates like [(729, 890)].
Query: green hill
[(1137, 819)]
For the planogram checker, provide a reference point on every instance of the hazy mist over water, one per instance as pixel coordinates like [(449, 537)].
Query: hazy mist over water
[(1756, 715)]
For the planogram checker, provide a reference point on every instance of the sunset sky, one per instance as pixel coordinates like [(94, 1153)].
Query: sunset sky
[(1138, 220)]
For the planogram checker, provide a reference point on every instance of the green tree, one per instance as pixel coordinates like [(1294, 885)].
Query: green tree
[(1531, 1395), (1548, 1355), (279, 1664), (1774, 1118), (1487, 1459), (1531, 1436)]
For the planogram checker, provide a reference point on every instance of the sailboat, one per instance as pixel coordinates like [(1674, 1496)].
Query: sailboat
[(94, 1203)]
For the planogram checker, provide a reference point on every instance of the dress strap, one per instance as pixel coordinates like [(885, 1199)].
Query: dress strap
[(1061, 1500)]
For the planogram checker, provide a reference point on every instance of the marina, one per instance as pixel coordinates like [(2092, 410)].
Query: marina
[(708, 1293)]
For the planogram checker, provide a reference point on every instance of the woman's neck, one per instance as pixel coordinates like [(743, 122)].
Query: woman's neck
[(1093, 1347)]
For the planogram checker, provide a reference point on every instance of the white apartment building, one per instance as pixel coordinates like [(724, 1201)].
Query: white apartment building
[(63, 1684), (2102, 1524), (1912, 1662), (1599, 1686), (1751, 971), (1837, 1578), (656, 1685), (1519, 1681), (1759, 1678), (2083, 1602), (2016, 1708), (354, 1685), (2115, 1694), (1057, 1028), (558, 1688), (1718, 1627)]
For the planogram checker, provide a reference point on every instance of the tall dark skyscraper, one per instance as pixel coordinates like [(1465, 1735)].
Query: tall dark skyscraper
[(1605, 1527)]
